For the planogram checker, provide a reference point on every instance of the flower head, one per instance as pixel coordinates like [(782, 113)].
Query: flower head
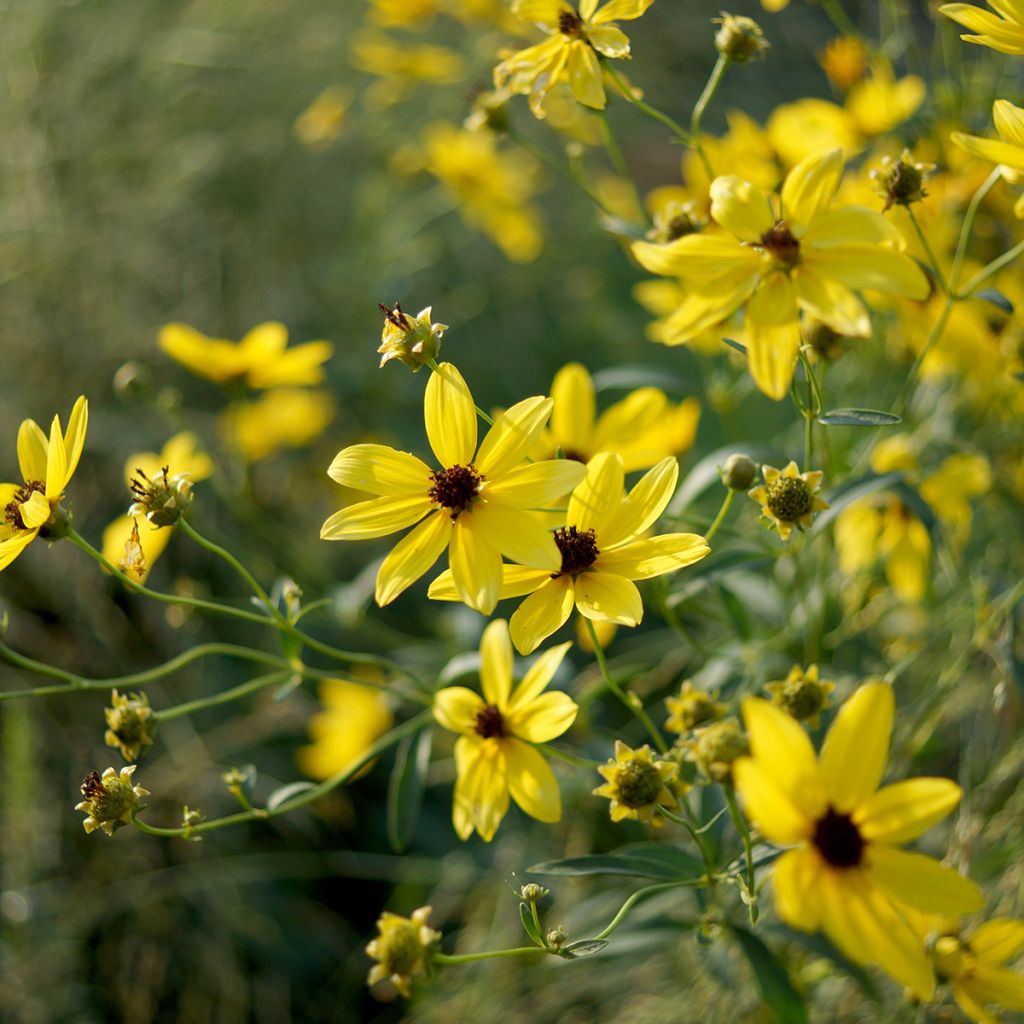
[(715, 747), (1008, 150), (494, 754), (110, 799), (1002, 31), (280, 418), (691, 708), (739, 38), (403, 949), (33, 507), (131, 724), (413, 340), (845, 61), (637, 784), (801, 694), (475, 505), (847, 875), (900, 182), (789, 498)]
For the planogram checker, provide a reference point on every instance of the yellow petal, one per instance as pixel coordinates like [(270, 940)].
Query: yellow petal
[(481, 788), (771, 355), (450, 417), (211, 358), (831, 302), (609, 41), (536, 484), (56, 463), (810, 187), (903, 811), (514, 433), (475, 565), (698, 259), (644, 504), (1005, 153), (496, 663), (183, 455), (598, 494), (531, 782), (922, 882), (412, 556), (299, 366), (516, 581), (741, 208), (152, 540), (585, 78), (608, 598), (709, 304), (375, 518), (654, 556), (541, 12), (74, 439), (537, 677), (34, 512), (774, 810), (849, 225), (456, 708), (380, 470), (544, 611), (265, 341), (1009, 121), (866, 266), (998, 940), (620, 10), (997, 985), (854, 754), (994, 32), (520, 536), (11, 547), (572, 416), (32, 447), (544, 718), (796, 878)]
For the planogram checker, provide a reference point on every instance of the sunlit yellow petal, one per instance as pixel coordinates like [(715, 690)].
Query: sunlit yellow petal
[(34, 512), (741, 208), (544, 718), (585, 77), (544, 611), (771, 355), (998, 985), (922, 882), (903, 811), (496, 663), (211, 358), (536, 484), (456, 708), (771, 807), (32, 446), (698, 259), (537, 677), (572, 417), (866, 266), (450, 417), (831, 302), (998, 940), (11, 547), (642, 507), (796, 878), (654, 556), (520, 536), (608, 598), (531, 782), (375, 518), (380, 470), (810, 187), (74, 438), (514, 433), (475, 566), (412, 556), (849, 225), (298, 366), (56, 462), (609, 41), (599, 493), (1009, 122), (620, 10)]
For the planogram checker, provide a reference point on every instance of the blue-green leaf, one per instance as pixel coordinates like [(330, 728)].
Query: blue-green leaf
[(584, 947), (529, 925), (640, 860), (739, 346), (858, 418), (405, 788), (997, 298)]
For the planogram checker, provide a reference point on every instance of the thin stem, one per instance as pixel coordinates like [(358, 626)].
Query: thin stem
[(992, 268), (561, 755), (967, 227), (618, 160), (748, 849), (491, 954), (697, 835), (652, 112), (903, 398), (932, 261), (839, 18), (225, 697), (723, 511), (714, 79), (631, 702), (634, 899)]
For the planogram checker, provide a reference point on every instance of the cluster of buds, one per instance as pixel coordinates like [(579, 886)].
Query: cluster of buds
[(413, 340), (110, 799), (131, 724), (404, 949), (161, 500)]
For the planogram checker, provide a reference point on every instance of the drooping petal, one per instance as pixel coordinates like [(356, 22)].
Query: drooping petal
[(654, 556), (450, 417), (698, 259), (810, 187), (475, 565), (741, 208), (456, 708), (32, 446), (903, 811), (922, 882), (74, 437), (412, 556), (11, 547), (598, 495), (56, 462), (608, 598), (517, 534), (771, 354), (544, 718), (481, 786), (774, 809), (585, 77), (496, 663), (795, 881), (642, 507), (609, 41), (381, 470), (536, 484), (544, 611), (34, 512), (532, 782), (857, 745), (572, 417), (998, 940), (514, 433), (375, 518), (1009, 122)]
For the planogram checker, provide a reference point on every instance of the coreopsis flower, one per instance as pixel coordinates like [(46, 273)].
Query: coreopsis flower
[(413, 340), (789, 498), (602, 551), (353, 718), (847, 875), (715, 748), (110, 799), (844, 61), (1002, 31), (805, 255), (900, 181), (401, 66), (404, 949), (321, 122), (475, 505), (131, 724), (949, 490), (692, 708), (281, 418), (881, 101), (159, 483), (33, 507), (637, 784), (494, 756), (1008, 150), (643, 427), (260, 360), (570, 53), (802, 694)]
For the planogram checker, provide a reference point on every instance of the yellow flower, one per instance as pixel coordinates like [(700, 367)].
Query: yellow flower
[(691, 708), (476, 505), (848, 875), (788, 497), (110, 799), (403, 949), (494, 756), (131, 724), (807, 126), (570, 53), (845, 61), (602, 550), (643, 427), (322, 120), (260, 359), (413, 340), (282, 418), (637, 784), (354, 717), (1003, 31), (715, 748), (881, 102), (801, 694), (403, 13), (812, 260), (1008, 150), (402, 66), (949, 489), (46, 465), (182, 458), (493, 188)]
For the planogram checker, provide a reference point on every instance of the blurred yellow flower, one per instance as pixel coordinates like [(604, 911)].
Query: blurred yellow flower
[(570, 53), (321, 122), (404, 949), (848, 875), (880, 102), (1007, 151), (1002, 31), (789, 498), (353, 718), (476, 505), (693, 707), (46, 465), (802, 694), (403, 13), (495, 756), (637, 785), (845, 61), (402, 66), (282, 418), (261, 359), (951, 487)]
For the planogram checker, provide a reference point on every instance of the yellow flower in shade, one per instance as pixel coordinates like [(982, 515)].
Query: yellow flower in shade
[(637, 784), (802, 694), (1008, 150), (847, 875), (1002, 31), (973, 963), (404, 949), (494, 756), (643, 427), (602, 550), (402, 66), (475, 505), (134, 542), (321, 122), (110, 799), (353, 718), (691, 708), (492, 187), (789, 498), (131, 724), (570, 53), (806, 255), (261, 359), (845, 61), (46, 465), (282, 418)]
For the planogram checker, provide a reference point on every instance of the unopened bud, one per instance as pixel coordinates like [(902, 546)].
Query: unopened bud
[(739, 472), (739, 38), (413, 340)]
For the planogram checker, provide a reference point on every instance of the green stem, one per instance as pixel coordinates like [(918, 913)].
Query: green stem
[(225, 697), (561, 755), (634, 899), (727, 501), (932, 261), (714, 80), (631, 702), (697, 835), (992, 268), (748, 849), (652, 112), (491, 954), (839, 18), (903, 398), (967, 227), (618, 160)]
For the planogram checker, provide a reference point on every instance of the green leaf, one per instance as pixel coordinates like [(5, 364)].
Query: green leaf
[(529, 924), (639, 860), (288, 687), (773, 982), (583, 947), (405, 788), (997, 298), (622, 228), (737, 612), (820, 946), (739, 346), (285, 793), (858, 418)]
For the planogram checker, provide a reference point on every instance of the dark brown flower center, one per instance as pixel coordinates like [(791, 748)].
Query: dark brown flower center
[(573, 455), (489, 723), (578, 549), (780, 243), (570, 24), (789, 498), (839, 840), (455, 489), (92, 786), (12, 510), (395, 316)]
